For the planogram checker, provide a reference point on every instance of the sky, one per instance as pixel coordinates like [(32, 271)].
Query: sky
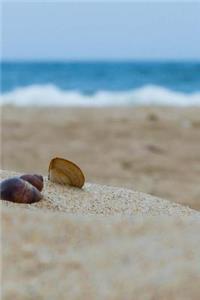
[(44, 30)]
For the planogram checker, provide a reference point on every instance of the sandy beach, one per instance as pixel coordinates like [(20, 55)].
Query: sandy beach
[(99, 243), (100, 150), (152, 150), (111, 239)]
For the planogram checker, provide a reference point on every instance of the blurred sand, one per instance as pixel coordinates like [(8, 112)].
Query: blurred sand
[(153, 150), (99, 243)]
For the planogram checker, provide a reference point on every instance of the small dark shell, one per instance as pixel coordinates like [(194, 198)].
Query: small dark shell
[(35, 180), (18, 190)]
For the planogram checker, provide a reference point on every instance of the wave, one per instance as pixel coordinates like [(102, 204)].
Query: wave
[(50, 95)]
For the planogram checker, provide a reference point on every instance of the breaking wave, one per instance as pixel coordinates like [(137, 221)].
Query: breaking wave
[(50, 95)]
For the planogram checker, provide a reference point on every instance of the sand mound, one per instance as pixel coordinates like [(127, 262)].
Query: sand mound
[(99, 243), (96, 199)]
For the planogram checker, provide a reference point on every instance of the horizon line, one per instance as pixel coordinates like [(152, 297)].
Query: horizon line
[(106, 60)]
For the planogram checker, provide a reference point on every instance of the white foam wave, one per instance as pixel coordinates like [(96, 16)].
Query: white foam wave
[(49, 95)]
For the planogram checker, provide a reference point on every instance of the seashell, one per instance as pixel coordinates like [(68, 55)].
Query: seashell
[(64, 171), (35, 180), (18, 190)]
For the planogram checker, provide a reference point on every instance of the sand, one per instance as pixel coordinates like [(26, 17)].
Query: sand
[(152, 150), (99, 243), (104, 242), (94, 199)]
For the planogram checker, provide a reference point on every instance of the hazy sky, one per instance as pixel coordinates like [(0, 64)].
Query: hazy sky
[(64, 31)]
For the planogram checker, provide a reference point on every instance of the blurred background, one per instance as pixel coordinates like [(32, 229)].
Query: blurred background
[(114, 87)]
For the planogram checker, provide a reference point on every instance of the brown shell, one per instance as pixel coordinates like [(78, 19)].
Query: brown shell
[(66, 172), (18, 190), (36, 180)]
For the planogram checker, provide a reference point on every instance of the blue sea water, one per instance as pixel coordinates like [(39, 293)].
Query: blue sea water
[(100, 83)]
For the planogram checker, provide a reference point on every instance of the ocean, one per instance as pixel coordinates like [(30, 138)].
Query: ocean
[(100, 83)]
